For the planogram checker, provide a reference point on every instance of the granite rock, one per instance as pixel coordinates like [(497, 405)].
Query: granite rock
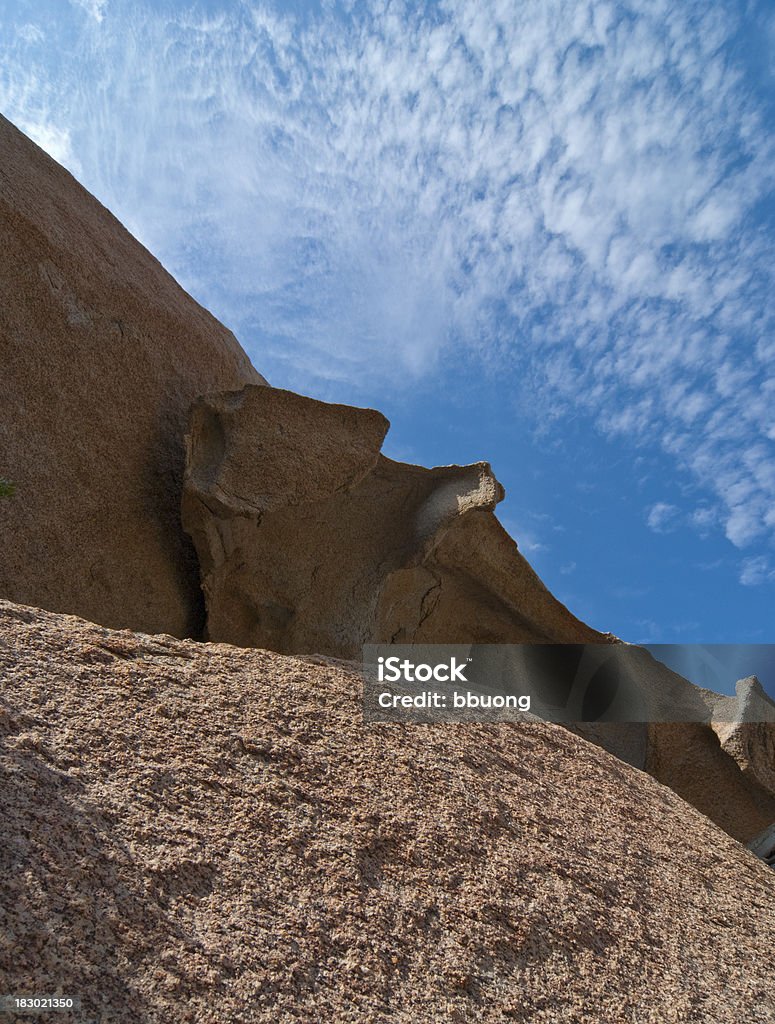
[(102, 354), (310, 540), (202, 833)]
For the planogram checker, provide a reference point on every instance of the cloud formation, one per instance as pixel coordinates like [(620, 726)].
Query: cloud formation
[(571, 193), (662, 517), (755, 571), (94, 8)]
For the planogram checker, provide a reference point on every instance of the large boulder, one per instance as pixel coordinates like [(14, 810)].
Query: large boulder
[(102, 354), (310, 540), (201, 833)]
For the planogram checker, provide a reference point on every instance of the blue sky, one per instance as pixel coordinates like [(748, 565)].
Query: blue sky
[(538, 233), (714, 666)]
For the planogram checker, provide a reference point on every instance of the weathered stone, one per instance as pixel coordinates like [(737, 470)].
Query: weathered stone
[(689, 759), (745, 726), (311, 541), (763, 845), (201, 833), (257, 450), (731, 781), (102, 354)]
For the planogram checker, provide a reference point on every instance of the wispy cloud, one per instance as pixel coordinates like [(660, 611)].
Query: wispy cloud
[(652, 632), (756, 570), (30, 33), (710, 566), (94, 8), (662, 517), (704, 519), (570, 192)]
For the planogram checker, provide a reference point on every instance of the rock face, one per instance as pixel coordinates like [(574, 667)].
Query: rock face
[(689, 758), (747, 731), (726, 767), (102, 354), (202, 833), (763, 846), (716, 752), (310, 540)]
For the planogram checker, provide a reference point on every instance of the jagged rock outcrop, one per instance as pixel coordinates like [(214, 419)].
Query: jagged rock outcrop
[(714, 751), (102, 354), (745, 726), (689, 759), (202, 833), (310, 540), (726, 767)]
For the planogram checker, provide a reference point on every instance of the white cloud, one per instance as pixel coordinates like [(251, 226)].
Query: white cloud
[(94, 8), (30, 33), (755, 571), (704, 519), (527, 539), (710, 566), (652, 632), (560, 190), (744, 524), (662, 517)]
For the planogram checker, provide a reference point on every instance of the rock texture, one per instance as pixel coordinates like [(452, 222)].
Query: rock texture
[(689, 758), (211, 834), (205, 833), (726, 767), (102, 354), (716, 752), (745, 726), (763, 846), (310, 540)]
